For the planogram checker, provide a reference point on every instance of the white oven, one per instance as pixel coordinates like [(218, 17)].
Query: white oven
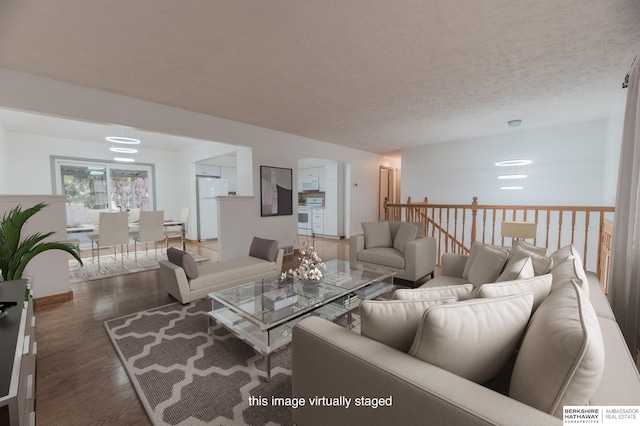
[(305, 227)]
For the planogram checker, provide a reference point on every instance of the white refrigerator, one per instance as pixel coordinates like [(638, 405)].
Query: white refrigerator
[(208, 189)]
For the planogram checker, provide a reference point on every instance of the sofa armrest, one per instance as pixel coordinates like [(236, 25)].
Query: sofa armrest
[(331, 361), (175, 281), (279, 258), (356, 244), (452, 264), (420, 257)]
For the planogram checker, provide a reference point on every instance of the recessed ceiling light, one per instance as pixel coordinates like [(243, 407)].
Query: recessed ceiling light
[(511, 187)]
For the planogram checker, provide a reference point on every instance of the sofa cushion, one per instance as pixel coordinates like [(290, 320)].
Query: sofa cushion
[(473, 338), (541, 264), (475, 248), (568, 270), (183, 260), (382, 256), (395, 322), (561, 359), (487, 265), (517, 268), (460, 292), (231, 270), (540, 286), (264, 249), (406, 232), (377, 234)]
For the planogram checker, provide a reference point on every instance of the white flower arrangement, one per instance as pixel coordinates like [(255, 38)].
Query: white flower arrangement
[(310, 268)]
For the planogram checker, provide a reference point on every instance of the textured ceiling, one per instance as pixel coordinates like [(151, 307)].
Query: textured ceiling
[(376, 75)]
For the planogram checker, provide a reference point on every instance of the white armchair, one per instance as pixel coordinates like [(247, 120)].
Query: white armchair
[(398, 246)]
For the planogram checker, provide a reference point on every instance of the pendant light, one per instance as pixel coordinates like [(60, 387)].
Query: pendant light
[(123, 147), (514, 162)]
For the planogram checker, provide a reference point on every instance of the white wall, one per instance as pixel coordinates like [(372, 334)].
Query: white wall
[(271, 148), (3, 161), (615, 124), (568, 168)]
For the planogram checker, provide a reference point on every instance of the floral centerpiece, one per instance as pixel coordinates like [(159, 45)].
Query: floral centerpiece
[(311, 266)]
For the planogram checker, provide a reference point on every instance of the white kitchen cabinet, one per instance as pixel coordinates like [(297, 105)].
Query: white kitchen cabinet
[(207, 170), (334, 200), (317, 221)]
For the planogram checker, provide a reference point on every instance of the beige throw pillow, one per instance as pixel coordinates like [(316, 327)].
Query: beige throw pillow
[(569, 270), (561, 360), (565, 253), (542, 251), (377, 234), (406, 232), (474, 338), (541, 264), (540, 286), (475, 248), (460, 292), (395, 322), (487, 265), (517, 268)]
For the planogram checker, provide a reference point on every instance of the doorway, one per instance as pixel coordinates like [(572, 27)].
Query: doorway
[(389, 189)]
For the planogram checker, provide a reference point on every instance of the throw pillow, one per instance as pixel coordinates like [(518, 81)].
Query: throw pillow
[(540, 286), (264, 249), (475, 338), (395, 322), (561, 360), (406, 232), (487, 265), (460, 292), (475, 247), (565, 253), (394, 226), (570, 270), (516, 269), (542, 251), (183, 260), (541, 264), (377, 234)]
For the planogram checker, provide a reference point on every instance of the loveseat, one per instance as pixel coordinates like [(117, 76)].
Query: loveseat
[(186, 281), (398, 246), (568, 352)]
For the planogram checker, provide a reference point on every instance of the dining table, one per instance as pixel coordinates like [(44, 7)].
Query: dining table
[(87, 228)]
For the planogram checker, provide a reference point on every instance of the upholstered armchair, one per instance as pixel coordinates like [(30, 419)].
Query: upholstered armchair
[(398, 246)]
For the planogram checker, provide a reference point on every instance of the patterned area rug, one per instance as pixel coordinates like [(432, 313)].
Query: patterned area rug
[(112, 267), (184, 376)]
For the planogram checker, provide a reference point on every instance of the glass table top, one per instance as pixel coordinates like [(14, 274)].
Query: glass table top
[(340, 279)]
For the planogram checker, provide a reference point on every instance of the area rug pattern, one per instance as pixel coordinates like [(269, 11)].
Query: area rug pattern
[(112, 267), (184, 376)]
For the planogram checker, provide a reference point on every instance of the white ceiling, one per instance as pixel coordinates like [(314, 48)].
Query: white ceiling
[(376, 75)]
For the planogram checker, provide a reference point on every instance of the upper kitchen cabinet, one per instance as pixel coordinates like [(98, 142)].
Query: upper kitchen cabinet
[(207, 170)]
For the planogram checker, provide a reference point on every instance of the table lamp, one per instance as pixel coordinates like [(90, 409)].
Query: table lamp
[(518, 230)]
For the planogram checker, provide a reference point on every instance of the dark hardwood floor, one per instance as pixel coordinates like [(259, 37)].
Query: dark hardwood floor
[(80, 379)]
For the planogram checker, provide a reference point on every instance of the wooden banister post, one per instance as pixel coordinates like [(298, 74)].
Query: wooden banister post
[(474, 214)]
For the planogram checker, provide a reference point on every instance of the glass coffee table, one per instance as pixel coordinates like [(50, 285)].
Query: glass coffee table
[(263, 312)]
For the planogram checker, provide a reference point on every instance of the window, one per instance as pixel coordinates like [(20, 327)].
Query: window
[(103, 185)]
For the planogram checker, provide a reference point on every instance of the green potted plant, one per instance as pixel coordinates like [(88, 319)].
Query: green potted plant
[(16, 252)]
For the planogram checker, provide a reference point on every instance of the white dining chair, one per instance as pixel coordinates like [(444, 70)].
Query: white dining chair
[(151, 229), (113, 230), (178, 231)]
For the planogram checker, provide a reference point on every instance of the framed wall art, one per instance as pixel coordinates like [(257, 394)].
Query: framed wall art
[(276, 191)]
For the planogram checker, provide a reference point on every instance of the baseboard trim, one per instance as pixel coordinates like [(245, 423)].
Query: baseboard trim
[(53, 299)]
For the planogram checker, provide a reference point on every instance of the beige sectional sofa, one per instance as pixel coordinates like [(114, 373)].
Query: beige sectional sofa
[(570, 351), (187, 282), (398, 246)]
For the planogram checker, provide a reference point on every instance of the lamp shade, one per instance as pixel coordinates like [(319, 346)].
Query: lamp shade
[(518, 229)]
